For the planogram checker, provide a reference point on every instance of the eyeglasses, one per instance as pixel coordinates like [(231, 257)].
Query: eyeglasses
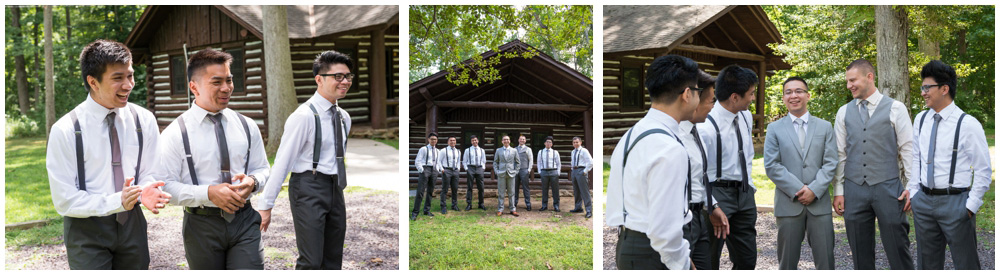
[(696, 89), (340, 77), (796, 91), (926, 88)]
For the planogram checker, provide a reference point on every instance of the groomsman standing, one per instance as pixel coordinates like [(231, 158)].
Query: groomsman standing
[(729, 148), (800, 156), (451, 158), (213, 180), (524, 173), (549, 165), (474, 161), (428, 168), (505, 166), (697, 231), (581, 165), (873, 132), (953, 161), (312, 149)]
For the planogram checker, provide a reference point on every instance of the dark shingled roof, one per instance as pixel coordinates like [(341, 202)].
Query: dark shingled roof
[(314, 21), (628, 28)]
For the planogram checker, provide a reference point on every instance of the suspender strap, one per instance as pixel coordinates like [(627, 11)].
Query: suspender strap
[(718, 149), (628, 149), (920, 130), (246, 129), (954, 151), (187, 150), (81, 172), (138, 132), (318, 139)]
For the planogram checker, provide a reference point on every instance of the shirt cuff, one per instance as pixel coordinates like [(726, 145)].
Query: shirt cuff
[(838, 189), (973, 204), (201, 195)]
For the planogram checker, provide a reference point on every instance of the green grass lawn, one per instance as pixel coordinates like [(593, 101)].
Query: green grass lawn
[(478, 240), (391, 142), (26, 182)]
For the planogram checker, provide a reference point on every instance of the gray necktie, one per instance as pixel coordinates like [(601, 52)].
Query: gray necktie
[(116, 163), (864, 111), (225, 175), (743, 159), (800, 126), (930, 155), (338, 145)]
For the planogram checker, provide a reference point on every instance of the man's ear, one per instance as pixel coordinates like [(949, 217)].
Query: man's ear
[(318, 79), (92, 82), (193, 87)]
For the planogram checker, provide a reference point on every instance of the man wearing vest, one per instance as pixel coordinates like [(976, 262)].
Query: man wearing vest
[(450, 159), (312, 149), (800, 156), (650, 177), (524, 173), (428, 168), (696, 232), (729, 151), (948, 186), (100, 162), (874, 134), (474, 161), (549, 164), (505, 164), (212, 159), (581, 163)]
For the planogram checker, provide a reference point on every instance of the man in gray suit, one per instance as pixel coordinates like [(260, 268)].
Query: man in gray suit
[(505, 164), (524, 175), (800, 156)]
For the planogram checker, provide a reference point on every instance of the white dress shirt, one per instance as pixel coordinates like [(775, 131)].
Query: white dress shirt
[(694, 153), (100, 198), (581, 157), (730, 146), (450, 157), (424, 160), (173, 169), (805, 122), (295, 153), (899, 117), (654, 189), (548, 159), (972, 167), (474, 155)]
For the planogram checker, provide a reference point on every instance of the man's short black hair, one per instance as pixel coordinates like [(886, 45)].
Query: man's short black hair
[(327, 58), (453, 137), (705, 81), (549, 138), (795, 78), (578, 138), (668, 76), (96, 56), (432, 134), (473, 137), (204, 58), (734, 79), (942, 73), (862, 64)]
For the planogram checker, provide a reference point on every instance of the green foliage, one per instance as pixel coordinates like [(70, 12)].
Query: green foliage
[(442, 37), (20, 126)]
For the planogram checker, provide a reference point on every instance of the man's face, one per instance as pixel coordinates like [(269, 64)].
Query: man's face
[(433, 140), (548, 144), (796, 97), (935, 97), (451, 142), (114, 86), (329, 87), (859, 82), (505, 141), (743, 102), (576, 143), (212, 87), (475, 141), (704, 106), (521, 140)]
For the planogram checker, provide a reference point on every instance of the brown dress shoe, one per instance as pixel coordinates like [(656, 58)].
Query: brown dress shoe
[(499, 213), (515, 214)]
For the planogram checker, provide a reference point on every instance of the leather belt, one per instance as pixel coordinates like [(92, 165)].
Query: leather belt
[(696, 206), (946, 191), (553, 169)]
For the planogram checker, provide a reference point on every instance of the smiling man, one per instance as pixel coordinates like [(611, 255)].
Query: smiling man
[(96, 158), (312, 149), (212, 159)]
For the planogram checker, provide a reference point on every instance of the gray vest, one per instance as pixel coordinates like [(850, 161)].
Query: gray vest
[(871, 148), (524, 154)]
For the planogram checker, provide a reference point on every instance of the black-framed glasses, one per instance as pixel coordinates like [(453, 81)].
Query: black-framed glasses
[(926, 88), (340, 76), (696, 89), (795, 91)]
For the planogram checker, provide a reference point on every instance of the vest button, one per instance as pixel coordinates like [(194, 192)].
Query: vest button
[(864, 141), (865, 165)]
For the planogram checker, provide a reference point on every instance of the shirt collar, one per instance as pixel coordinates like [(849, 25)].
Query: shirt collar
[(947, 111), (722, 114), (685, 127), (873, 99), (663, 119), (321, 103), (91, 107), (200, 113), (805, 117)]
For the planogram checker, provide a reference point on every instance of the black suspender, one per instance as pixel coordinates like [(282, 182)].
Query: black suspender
[(138, 133), (318, 139), (187, 147), (954, 149), (246, 129), (81, 171), (628, 149), (718, 150)]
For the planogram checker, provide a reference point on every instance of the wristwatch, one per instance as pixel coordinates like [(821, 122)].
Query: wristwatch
[(713, 207), (255, 183)]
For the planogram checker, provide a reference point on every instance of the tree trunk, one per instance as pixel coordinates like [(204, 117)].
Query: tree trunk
[(20, 73), (50, 88), (281, 101), (890, 40), (932, 49), (69, 27), (36, 70)]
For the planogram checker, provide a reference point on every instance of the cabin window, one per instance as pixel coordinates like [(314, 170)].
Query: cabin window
[(238, 69), (537, 141), (466, 139), (178, 76), (632, 97)]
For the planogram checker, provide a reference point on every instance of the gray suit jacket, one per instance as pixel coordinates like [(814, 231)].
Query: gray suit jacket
[(506, 161), (790, 168)]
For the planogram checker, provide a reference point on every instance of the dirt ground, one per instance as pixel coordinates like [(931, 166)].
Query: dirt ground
[(767, 232), (372, 240)]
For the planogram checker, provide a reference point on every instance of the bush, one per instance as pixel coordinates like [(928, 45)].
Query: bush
[(20, 126)]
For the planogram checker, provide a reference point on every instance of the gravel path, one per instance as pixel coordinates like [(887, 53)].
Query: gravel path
[(767, 232), (372, 237)]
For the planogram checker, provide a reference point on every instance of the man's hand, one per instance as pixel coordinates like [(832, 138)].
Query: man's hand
[(245, 187), (720, 223), (224, 197), (905, 195), (153, 198), (265, 219), (970, 213), (805, 195), (838, 204), (130, 194)]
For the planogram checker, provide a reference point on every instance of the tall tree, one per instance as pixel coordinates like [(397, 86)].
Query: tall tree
[(37, 70), (281, 100), (890, 39), (20, 73), (50, 86)]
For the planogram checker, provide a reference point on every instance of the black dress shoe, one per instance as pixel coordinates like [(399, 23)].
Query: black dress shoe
[(528, 207), (444, 210), (413, 216), (454, 207), (556, 208), (543, 208), (429, 214), (482, 207), (589, 214), (576, 211), (467, 207)]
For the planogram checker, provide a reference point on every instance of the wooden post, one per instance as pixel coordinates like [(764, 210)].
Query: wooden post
[(376, 79), (431, 120), (588, 129), (761, 93)]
